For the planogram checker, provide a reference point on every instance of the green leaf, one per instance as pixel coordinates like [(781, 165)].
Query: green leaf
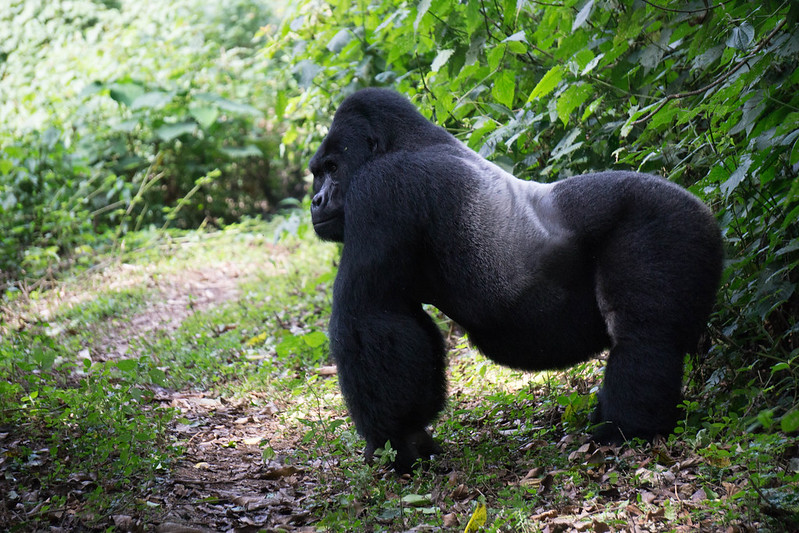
[(664, 116), (790, 421), (779, 367), (157, 376), (495, 55), (151, 100), (504, 88), (582, 15), (402, 47), (9, 201), (205, 115), (592, 64), (736, 177), (125, 93), (339, 41), (517, 43), (127, 365), (571, 99), (591, 108), (93, 88), (6, 166), (45, 358), (228, 105), (168, 132), (421, 9), (650, 57), (281, 102), (417, 500), (240, 152), (441, 60), (518, 36), (314, 339), (306, 71), (741, 36), (582, 57), (474, 18), (290, 344), (566, 145), (547, 84), (707, 58), (125, 126), (50, 137)]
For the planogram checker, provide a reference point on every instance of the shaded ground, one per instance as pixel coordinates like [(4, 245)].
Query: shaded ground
[(178, 295), (221, 482)]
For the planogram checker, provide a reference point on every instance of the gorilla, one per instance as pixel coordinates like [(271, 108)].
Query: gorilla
[(541, 276)]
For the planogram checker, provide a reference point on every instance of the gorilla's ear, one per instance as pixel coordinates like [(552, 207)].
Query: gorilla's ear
[(371, 142)]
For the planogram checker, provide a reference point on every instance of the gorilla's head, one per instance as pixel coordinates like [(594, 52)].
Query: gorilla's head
[(368, 124), (348, 145)]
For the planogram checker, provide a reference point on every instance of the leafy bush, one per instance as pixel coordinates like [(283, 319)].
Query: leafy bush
[(42, 207), (706, 95), (90, 429), (117, 114)]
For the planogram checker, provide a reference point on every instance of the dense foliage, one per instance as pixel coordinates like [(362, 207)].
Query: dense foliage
[(706, 95), (118, 116)]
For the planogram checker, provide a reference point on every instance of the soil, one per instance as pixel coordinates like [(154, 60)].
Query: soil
[(222, 465)]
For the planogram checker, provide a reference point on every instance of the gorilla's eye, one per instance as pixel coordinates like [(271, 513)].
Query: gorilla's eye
[(330, 167)]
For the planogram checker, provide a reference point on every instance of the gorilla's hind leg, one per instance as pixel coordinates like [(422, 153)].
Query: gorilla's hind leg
[(640, 393)]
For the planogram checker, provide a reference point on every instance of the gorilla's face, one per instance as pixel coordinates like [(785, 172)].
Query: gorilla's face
[(347, 147), (327, 204)]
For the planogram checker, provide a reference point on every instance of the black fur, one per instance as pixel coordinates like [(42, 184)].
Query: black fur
[(542, 276)]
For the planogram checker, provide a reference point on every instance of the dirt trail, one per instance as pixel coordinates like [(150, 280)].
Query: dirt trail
[(177, 296), (221, 482)]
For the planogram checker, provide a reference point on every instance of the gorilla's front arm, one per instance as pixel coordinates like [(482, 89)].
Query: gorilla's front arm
[(541, 276), (391, 364)]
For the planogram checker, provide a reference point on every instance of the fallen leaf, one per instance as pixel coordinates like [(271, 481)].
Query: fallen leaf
[(279, 471), (329, 370), (417, 500), (546, 515), (477, 520), (450, 520)]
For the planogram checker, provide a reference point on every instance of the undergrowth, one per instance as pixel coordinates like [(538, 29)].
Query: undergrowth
[(86, 434)]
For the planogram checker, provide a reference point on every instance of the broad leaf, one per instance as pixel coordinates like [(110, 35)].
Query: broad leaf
[(441, 60), (741, 36), (504, 88), (339, 41), (421, 9), (547, 84), (205, 115), (582, 15), (168, 132), (125, 93), (152, 100), (235, 152)]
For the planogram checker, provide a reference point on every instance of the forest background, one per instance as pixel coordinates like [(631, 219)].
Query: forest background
[(127, 124)]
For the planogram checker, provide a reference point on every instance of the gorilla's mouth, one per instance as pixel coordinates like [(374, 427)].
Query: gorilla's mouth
[(324, 222)]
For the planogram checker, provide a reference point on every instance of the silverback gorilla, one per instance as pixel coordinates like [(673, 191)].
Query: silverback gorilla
[(542, 276)]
